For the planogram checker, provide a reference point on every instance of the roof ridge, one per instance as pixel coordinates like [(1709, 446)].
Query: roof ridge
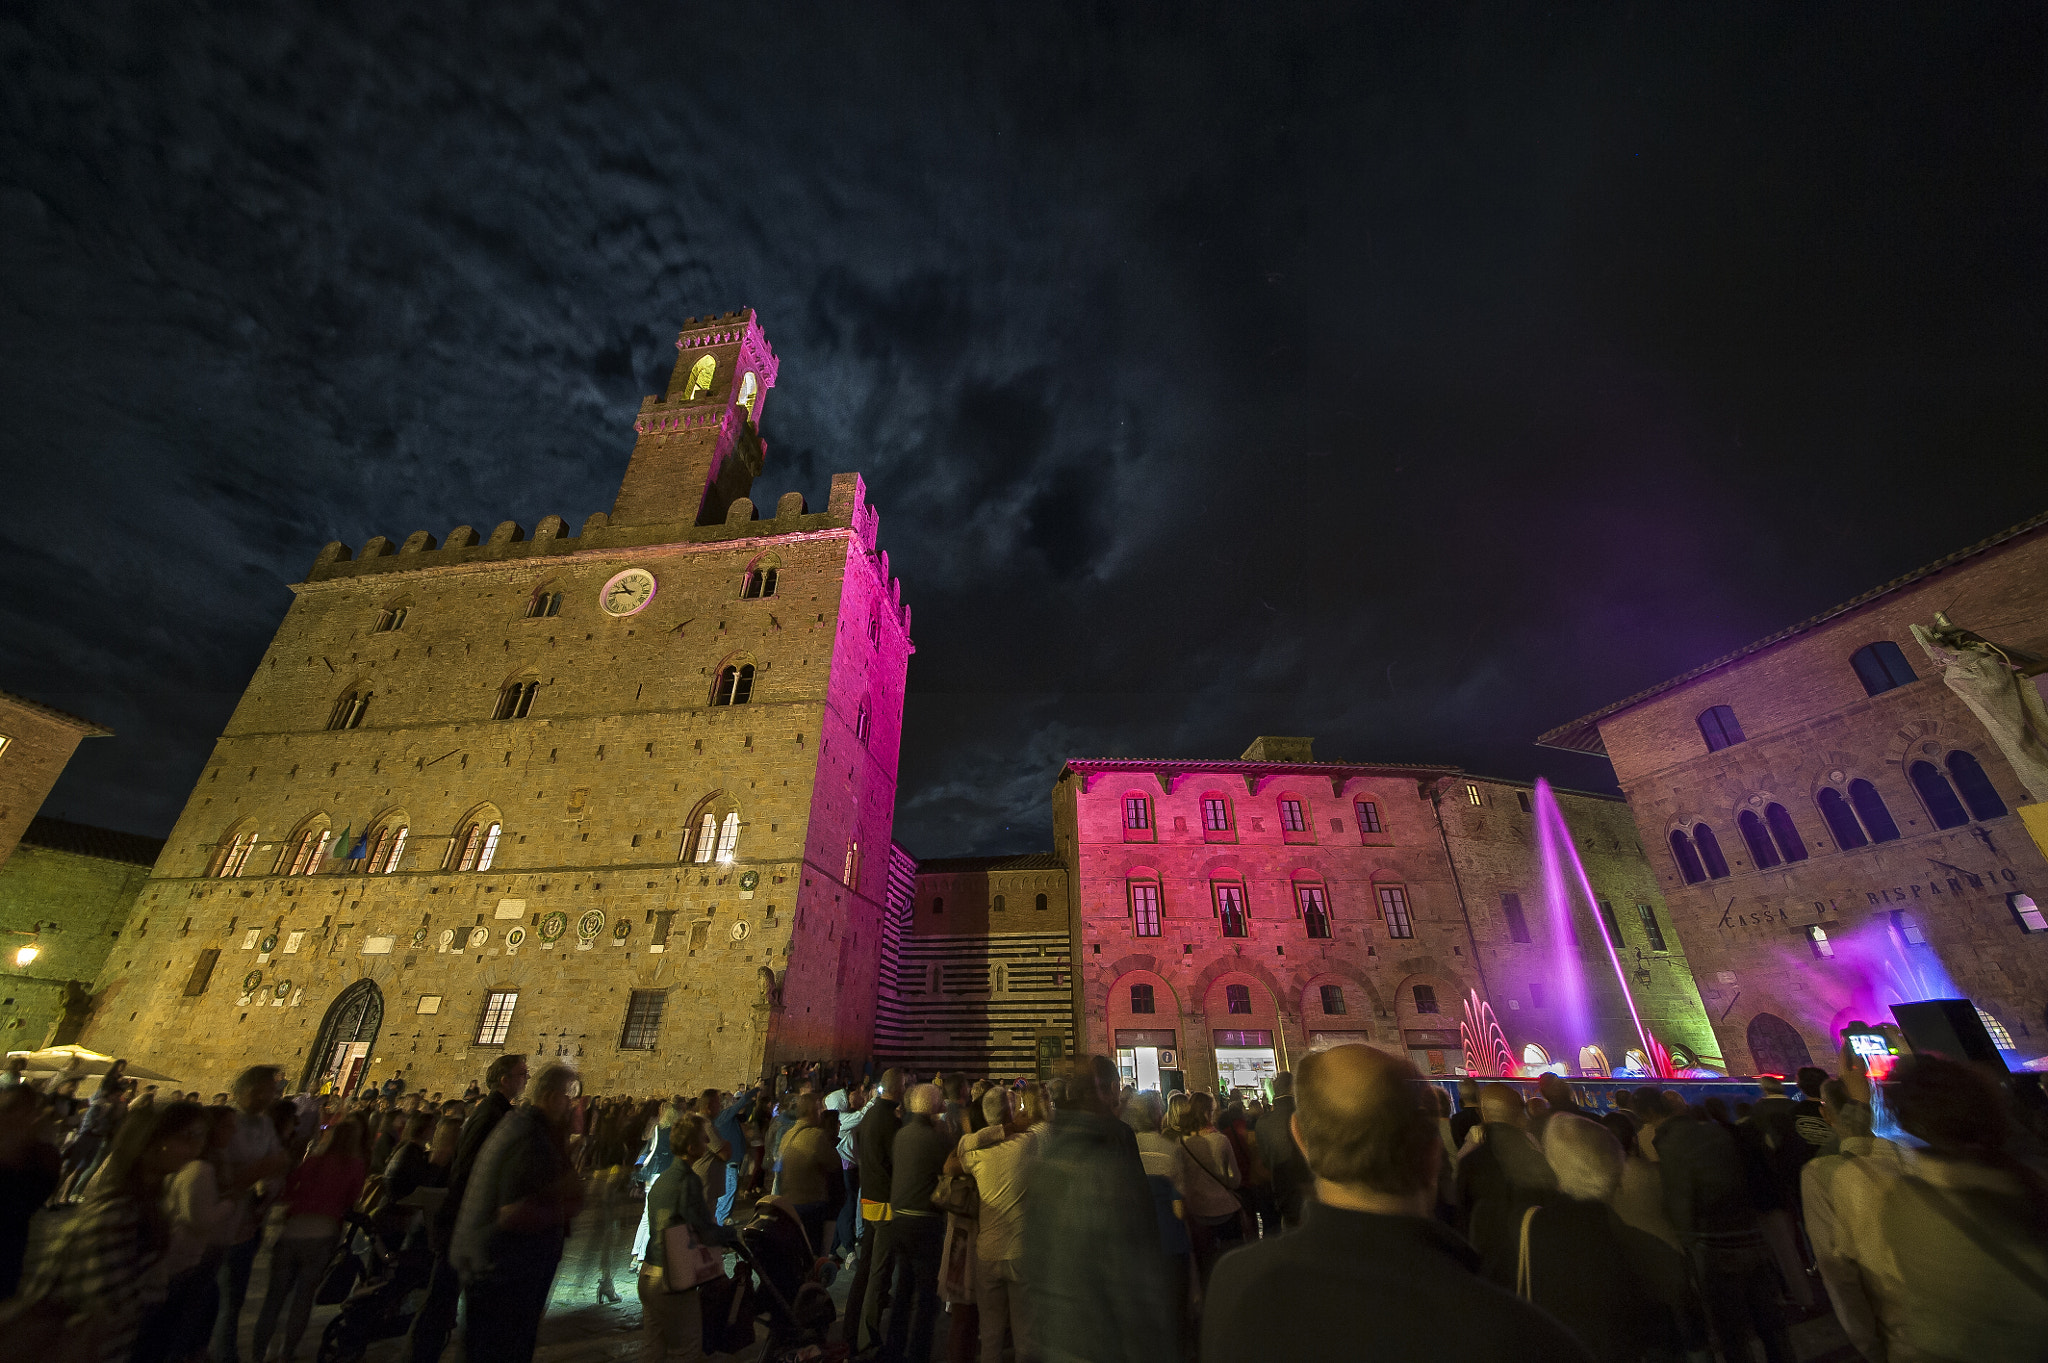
[(92, 730)]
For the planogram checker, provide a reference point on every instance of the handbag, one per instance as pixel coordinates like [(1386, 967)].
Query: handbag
[(958, 1194), (685, 1263), (1525, 1278)]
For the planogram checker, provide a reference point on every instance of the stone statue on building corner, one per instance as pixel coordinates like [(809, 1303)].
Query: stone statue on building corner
[(1996, 683)]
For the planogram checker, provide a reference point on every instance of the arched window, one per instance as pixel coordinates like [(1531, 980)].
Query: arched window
[(1144, 896), (1870, 808), (231, 856), (1710, 852), (1230, 906), (1785, 833), (999, 904), (387, 844), (760, 580), (1996, 1030), (306, 850), (748, 389), (475, 844), (1313, 904), (1775, 1046), (1719, 727), (735, 685), (1840, 819), (515, 698), (1881, 667), (1039, 905), (390, 618), (1756, 839), (729, 836), (712, 831), (348, 711), (1938, 795), (701, 375), (706, 843), (544, 603), (1977, 791), (1687, 858)]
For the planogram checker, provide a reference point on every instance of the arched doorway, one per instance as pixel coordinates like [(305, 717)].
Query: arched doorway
[(1775, 1046), (342, 1051)]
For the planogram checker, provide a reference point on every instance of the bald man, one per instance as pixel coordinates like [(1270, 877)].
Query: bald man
[(1370, 1274)]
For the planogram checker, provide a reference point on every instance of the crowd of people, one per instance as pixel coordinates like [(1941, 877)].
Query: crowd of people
[(1349, 1210)]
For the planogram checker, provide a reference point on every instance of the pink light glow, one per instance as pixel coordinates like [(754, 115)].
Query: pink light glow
[(1486, 1045), (1554, 840)]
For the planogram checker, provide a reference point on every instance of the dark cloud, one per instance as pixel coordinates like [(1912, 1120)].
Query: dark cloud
[(1414, 378)]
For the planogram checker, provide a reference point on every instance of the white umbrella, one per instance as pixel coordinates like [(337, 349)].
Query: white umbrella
[(77, 1061)]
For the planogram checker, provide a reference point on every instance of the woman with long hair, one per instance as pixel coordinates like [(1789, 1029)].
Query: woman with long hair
[(319, 1193), (89, 1290)]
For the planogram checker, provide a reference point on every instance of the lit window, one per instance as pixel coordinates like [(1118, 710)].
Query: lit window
[(701, 375), (492, 1027), (1145, 907), (643, 1019), (5, 744), (707, 839), (748, 388), (729, 835), (1537, 998), (390, 620), (1314, 908), (1719, 727), (852, 872), (1881, 667), (1999, 1036), (1368, 812), (1817, 938), (1534, 1056), (384, 848), (1651, 928), (1608, 921), (476, 847), (1976, 788), (1237, 998), (233, 855), (1292, 819), (306, 852), (735, 685), (1230, 907), (759, 582), (1394, 908), (544, 604), (348, 711), (1137, 813), (2027, 913), (1425, 998), (1908, 930), (1333, 999), (1518, 922), (1141, 998), (1215, 815), (1472, 794), (1938, 795), (516, 700)]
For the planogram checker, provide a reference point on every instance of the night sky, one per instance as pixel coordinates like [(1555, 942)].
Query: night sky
[(1416, 377)]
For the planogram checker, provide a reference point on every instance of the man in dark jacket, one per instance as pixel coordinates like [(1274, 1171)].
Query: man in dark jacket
[(1275, 1134), (915, 1232), (1499, 1180), (436, 1318), (874, 1145), (1708, 1199), (1091, 1239), (522, 1195), (1370, 1273)]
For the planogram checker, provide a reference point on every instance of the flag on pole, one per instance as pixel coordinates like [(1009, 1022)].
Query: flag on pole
[(340, 843)]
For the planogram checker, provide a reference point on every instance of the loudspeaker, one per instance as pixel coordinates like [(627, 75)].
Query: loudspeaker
[(1949, 1027), (1172, 1081)]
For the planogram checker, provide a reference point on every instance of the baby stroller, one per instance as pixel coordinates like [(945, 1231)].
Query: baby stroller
[(393, 1284), (786, 1272)]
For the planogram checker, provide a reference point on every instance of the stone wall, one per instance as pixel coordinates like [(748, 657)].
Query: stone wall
[(38, 741), (68, 889)]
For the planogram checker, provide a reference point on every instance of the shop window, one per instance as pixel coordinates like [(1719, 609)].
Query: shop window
[(1651, 928), (1141, 998), (1368, 812), (1719, 727), (1425, 998), (1870, 808), (1333, 999), (1978, 793), (1145, 907), (1784, 833), (1518, 922), (1938, 795), (1710, 852), (1315, 909), (1756, 839), (1230, 908), (1881, 667), (643, 1019), (1394, 908), (1237, 998), (1687, 857), (496, 1022)]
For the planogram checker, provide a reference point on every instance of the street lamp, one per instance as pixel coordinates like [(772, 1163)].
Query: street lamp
[(26, 956)]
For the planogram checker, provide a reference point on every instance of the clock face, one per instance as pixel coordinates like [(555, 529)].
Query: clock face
[(627, 592)]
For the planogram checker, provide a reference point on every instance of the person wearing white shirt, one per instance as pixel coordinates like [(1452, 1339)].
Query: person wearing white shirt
[(1000, 1158)]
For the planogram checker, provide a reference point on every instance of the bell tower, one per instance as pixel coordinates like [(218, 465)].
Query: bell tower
[(699, 445)]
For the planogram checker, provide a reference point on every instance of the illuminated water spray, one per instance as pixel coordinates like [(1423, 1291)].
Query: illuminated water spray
[(1564, 874), (1486, 1045)]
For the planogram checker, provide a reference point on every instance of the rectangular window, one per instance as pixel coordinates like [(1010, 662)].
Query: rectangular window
[(202, 971), (1537, 998), (1651, 928), (1333, 999), (1394, 908), (1292, 819), (1215, 814), (1137, 812), (1908, 930), (1425, 998), (2026, 913), (1609, 922), (852, 872), (643, 1019), (1238, 998), (1817, 938), (1368, 815), (1518, 923), (1314, 908), (1141, 998), (1230, 907), (497, 1019), (1145, 907), (1720, 728), (1472, 793), (1522, 799)]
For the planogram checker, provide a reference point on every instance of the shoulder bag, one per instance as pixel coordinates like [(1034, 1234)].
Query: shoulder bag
[(1525, 1278), (685, 1263)]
